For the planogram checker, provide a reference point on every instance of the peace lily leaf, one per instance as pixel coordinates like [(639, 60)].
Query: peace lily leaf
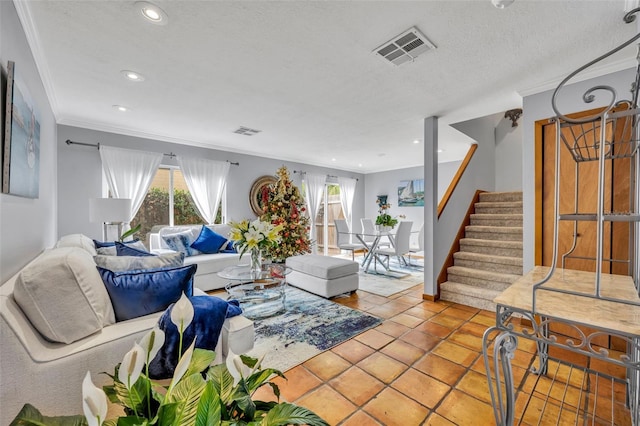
[(187, 394), (167, 414), (259, 378), (182, 366), (131, 366), (249, 361), (132, 421), (30, 416), (209, 411), (182, 313), (133, 398), (222, 380), (152, 343), (200, 360), (286, 414), (245, 403), (130, 232), (94, 402)]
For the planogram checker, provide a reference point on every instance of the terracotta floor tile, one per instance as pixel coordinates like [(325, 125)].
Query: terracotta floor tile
[(519, 373), (353, 351), (407, 320), (456, 353), (410, 299), (392, 328), (392, 408), (420, 312), (375, 299), (435, 329), (463, 409), (434, 306), (468, 308), (474, 328), (436, 419), (403, 352), (388, 310), (374, 338), (467, 340), (299, 381), (421, 340), (360, 418), (360, 304), (447, 321), (420, 387), (328, 404), (476, 385), (327, 365), (440, 368), (456, 311), (356, 385), (484, 320), (382, 367)]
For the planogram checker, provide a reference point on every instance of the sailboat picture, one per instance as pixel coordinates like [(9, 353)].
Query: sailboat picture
[(411, 193)]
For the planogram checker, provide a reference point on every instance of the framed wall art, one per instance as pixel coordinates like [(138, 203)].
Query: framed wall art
[(21, 140), (411, 193)]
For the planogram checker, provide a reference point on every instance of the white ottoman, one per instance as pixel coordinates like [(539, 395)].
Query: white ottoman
[(323, 275)]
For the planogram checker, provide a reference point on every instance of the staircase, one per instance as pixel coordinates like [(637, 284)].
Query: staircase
[(490, 256)]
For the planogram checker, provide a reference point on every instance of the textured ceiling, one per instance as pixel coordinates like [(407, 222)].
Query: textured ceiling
[(303, 72)]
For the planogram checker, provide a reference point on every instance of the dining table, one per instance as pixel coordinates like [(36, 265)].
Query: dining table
[(371, 247)]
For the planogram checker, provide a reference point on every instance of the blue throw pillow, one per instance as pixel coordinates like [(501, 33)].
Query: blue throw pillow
[(125, 250), (228, 248), (209, 315), (145, 291), (209, 241), (100, 244)]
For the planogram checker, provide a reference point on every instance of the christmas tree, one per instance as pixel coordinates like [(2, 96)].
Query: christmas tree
[(283, 205)]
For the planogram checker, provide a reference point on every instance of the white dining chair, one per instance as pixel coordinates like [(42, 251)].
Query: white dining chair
[(418, 249), (400, 244), (342, 238), (368, 229)]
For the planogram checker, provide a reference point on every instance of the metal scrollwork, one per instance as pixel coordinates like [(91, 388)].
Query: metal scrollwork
[(589, 96)]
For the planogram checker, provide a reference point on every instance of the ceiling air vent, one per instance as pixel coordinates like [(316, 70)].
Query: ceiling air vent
[(246, 131), (405, 47)]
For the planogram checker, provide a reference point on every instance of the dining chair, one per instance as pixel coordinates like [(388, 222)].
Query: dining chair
[(400, 244), (368, 229), (342, 238), (417, 249)]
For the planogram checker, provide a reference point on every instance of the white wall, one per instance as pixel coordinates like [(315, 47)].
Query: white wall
[(538, 107), (508, 156), (27, 226), (79, 175)]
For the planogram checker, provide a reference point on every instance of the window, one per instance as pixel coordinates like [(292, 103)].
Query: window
[(168, 202)]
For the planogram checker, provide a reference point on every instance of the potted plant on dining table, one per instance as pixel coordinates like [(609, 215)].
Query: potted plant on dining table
[(384, 221)]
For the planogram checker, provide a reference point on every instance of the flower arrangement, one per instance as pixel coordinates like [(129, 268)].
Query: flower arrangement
[(198, 394), (256, 234), (384, 218)]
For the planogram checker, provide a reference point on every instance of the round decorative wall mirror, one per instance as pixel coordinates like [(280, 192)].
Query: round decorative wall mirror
[(255, 195)]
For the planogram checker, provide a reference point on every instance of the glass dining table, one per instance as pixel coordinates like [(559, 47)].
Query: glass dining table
[(371, 241)]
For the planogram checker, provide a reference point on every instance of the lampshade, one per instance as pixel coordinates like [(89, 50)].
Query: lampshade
[(109, 210)]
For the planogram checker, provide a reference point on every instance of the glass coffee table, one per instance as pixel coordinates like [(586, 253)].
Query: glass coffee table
[(259, 297)]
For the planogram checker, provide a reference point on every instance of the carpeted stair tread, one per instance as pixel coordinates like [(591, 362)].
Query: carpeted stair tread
[(509, 207), (502, 220), (509, 233), (483, 275), (500, 196), (469, 295), (500, 264), (496, 247)]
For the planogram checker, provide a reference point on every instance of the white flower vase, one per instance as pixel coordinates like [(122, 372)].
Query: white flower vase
[(256, 263)]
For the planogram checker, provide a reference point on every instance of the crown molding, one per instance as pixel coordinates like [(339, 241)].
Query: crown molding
[(593, 72), (33, 39)]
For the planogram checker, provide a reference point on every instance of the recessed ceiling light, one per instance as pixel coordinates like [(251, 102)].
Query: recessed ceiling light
[(441, 150), (152, 13), (333, 159), (122, 108), (501, 4), (132, 75), (359, 164), (416, 141)]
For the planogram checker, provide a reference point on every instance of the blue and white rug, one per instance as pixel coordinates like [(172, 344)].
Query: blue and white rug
[(310, 325)]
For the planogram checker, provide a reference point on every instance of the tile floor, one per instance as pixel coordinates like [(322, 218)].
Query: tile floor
[(423, 366)]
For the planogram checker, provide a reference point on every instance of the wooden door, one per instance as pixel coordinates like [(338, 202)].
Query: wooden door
[(616, 200)]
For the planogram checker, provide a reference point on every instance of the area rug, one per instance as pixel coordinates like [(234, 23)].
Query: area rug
[(309, 326)]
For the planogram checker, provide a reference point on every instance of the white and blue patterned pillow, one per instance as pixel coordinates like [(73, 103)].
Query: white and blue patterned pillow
[(181, 242), (111, 250)]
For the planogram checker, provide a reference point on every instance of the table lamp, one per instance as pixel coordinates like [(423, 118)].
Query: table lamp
[(111, 212)]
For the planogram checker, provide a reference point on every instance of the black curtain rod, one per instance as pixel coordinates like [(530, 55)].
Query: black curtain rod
[(97, 145), (302, 172)]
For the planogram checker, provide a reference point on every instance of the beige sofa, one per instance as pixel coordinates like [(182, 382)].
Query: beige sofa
[(49, 375), (209, 265)]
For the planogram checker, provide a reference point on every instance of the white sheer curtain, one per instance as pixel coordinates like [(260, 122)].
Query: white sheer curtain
[(315, 186), (206, 180), (129, 173), (347, 192)]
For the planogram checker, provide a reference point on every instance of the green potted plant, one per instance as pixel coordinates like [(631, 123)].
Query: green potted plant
[(198, 394), (384, 220)]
